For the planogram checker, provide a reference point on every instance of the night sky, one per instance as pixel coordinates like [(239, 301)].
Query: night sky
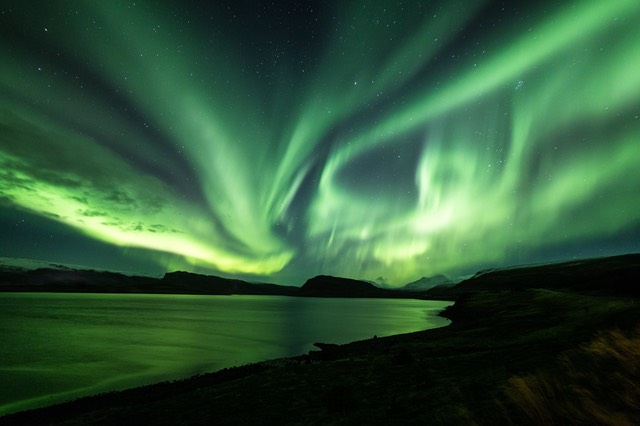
[(379, 140)]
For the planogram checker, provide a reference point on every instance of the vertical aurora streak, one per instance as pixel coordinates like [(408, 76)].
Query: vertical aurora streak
[(384, 141)]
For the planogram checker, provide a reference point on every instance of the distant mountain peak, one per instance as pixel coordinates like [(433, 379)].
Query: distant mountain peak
[(426, 283)]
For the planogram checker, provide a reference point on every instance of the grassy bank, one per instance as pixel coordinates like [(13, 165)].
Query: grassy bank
[(524, 355)]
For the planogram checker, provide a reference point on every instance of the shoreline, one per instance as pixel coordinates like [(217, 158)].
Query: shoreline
[(513, 333), (330, 371), (100, 383), (323, 351)]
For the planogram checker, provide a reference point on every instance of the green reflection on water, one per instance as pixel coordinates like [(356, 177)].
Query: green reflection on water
[(55, 347)]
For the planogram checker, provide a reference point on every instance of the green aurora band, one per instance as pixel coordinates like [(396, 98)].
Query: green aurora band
[(392, 152)]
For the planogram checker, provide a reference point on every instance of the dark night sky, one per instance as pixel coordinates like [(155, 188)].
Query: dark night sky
[(379, 140)]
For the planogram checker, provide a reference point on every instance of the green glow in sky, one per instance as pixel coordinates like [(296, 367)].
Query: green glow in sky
[(386, 142)]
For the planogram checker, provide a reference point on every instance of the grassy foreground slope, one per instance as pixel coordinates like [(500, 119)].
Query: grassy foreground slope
[(555, 344)]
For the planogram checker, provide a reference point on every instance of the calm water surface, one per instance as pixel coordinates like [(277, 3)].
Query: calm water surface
[(55, 347)]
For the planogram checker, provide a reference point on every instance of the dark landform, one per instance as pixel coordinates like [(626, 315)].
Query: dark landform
[(89, 281), (60, 279), (328, 286), (548, 344)]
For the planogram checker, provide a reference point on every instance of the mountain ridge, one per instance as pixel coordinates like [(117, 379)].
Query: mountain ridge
[(67, 280), (427, 283)]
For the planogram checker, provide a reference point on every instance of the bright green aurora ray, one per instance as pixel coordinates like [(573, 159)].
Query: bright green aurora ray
[(388, 140)]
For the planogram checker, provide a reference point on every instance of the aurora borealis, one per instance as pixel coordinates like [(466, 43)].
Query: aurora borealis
[(374, 140)]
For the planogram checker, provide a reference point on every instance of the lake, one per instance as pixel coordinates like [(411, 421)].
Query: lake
[(60, 346)]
